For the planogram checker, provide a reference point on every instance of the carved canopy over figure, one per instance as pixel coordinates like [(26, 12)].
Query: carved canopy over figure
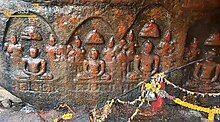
[(93, 68), (213, 39), (206, 72), (12, 48), (31, 33), (94, 37), (150, 30), (34, 67)]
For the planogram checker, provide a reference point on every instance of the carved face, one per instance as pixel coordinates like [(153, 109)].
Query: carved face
[(33, 52), (94, 54), (78, 43), (52, 40), (131, 36), (13, 40), (122, 42), (111, 43), (148, 47)]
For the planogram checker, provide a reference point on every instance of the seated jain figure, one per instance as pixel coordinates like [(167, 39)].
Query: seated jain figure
[(206, 72), (93, 68), (34, 67), (147, 64)]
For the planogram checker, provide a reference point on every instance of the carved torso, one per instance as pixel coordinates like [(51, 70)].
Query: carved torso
[(147, 63), (109, 54), (207, 70), (33, 64), (122, 56), (51, 51), (79, 54), (167, 49), (94, 66)]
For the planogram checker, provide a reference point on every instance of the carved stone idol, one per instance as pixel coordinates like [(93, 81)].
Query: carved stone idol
[(77, 53), (167, 50), (110, 55), (12, 48), (51, 48), (150, 30), (83, 52), (122, 59), (93, 67), (35, 67), (149, 61), (206, 73), (193, 51)]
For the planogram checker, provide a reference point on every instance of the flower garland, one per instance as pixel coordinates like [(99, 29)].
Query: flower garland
[(66, 116), (211, 112), (107, 109), (154, 87), (190, 92), (148, 93)]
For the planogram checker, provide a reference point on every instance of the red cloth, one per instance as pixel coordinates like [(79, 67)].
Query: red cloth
[(162, 86), (158, 104)]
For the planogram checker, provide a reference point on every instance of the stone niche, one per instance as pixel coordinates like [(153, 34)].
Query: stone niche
[(84, 52)]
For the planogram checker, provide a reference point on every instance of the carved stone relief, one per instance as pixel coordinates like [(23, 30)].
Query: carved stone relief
[(204, 76), (87, 55)]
